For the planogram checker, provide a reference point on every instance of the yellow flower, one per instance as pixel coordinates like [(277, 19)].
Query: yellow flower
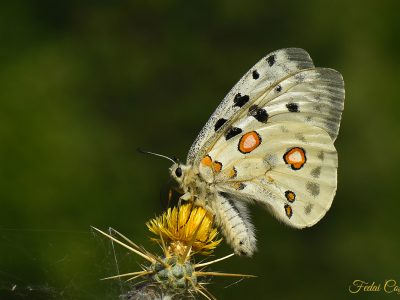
[(182, 231), (186, 226)]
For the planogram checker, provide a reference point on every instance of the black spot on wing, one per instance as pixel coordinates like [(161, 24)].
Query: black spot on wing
[(316, 172), (240, 100), (271, 60), (278, 88), (260, 114), (313, 188), (292, 107), (233, 132), (219, 124), (308, 208), (255, 74)]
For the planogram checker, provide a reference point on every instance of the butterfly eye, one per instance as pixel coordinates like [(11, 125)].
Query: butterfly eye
[(178, 172)]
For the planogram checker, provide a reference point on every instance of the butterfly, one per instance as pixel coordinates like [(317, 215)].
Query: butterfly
[(269, 142)]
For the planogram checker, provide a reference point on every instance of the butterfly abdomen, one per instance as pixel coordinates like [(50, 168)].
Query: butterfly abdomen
[(232, 218)]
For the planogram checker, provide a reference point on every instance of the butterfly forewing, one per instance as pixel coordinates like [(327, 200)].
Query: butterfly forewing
[(265, 74), (314, 97)]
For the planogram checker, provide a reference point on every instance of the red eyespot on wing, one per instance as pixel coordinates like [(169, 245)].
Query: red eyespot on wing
[(249, 141), (295, 157)]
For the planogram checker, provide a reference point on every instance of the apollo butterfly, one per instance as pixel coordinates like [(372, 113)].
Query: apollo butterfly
[(270, 141)]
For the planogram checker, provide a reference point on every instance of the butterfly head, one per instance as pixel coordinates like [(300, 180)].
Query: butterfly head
[(178, 171)]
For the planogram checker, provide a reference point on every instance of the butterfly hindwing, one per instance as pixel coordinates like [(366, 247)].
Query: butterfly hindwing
[(292, 171)]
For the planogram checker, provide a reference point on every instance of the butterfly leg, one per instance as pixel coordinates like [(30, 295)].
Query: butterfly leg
[(174, 193)]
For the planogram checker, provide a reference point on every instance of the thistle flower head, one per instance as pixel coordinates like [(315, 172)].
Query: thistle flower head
[(182, 231), (184, 226)]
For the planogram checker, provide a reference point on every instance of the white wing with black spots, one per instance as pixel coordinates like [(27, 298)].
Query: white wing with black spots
[(265, 74), (314, 97), (270, 141)]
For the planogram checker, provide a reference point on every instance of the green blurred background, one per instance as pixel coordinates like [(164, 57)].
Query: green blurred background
[(84, 83)]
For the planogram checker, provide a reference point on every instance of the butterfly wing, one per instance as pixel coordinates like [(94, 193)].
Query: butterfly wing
[(265, 74), (291, 170), (277, 148)]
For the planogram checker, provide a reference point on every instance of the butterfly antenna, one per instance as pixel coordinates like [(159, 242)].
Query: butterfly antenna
[(174, 160)]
